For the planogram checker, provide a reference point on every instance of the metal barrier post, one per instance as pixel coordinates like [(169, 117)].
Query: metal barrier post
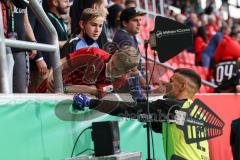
[(4, 84), (55, 57), (161, 7), (154, 6), (30, 45)]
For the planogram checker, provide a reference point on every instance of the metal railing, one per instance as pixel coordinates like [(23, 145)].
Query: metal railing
[(54, 48), (168, 66)]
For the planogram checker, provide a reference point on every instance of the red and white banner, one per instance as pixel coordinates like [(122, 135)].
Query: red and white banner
[(227, 107)]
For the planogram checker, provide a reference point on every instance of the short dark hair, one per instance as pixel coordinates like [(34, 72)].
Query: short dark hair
[(128, 13), (195, 78)]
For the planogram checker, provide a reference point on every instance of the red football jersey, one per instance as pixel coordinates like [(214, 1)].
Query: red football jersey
[(86, 66)]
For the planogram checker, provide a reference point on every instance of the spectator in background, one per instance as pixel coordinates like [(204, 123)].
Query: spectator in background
[(5, 6), (202, 17), (227, 75), (166, 11), (57, 8), (192, 20), (76, 12), (198, 7), (209, 52), (91, 24), (230, 22), (238, 27), (113, 20), (130, 3), (211, 26), (21, 29), (41, 63), (187, 7), (130, 21), (180, 18), (200, 44), (228, 48)]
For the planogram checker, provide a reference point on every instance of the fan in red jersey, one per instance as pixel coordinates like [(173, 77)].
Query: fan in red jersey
[(227, 75), (94, 71)]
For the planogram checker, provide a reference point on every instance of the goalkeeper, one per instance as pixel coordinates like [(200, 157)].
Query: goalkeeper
[(183, 85)]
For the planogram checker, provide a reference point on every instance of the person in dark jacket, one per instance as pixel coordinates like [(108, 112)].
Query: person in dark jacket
[(227, 74), (235, 139), (113, 20), (58, 8)]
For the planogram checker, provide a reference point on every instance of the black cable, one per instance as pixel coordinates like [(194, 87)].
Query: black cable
[(153, 149), (78, 139), (85, 150), (154, 65)]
